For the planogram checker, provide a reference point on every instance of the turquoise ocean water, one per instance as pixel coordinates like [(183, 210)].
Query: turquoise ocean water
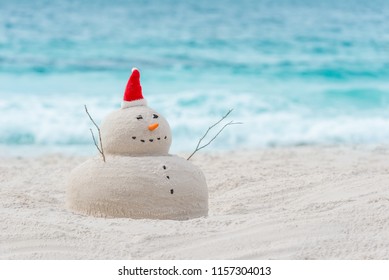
[(295, 72)]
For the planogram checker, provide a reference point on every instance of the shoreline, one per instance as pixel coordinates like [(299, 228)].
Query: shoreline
[(307, 202), (32, 151)]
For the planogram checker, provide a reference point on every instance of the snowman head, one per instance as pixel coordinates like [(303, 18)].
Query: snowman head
[(135, 129)]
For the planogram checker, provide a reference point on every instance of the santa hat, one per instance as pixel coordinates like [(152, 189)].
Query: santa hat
[(133, 94)]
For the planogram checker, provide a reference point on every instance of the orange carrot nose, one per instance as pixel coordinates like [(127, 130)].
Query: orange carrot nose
[(153, 126)]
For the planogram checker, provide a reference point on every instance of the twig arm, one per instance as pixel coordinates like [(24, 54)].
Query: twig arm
[(217, 134), (94, 140), (198, 148), (209, 128), (100, 149)]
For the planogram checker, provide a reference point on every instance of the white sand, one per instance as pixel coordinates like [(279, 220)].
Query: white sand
[(295, 203)]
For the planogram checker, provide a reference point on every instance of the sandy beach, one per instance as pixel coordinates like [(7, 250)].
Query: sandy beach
[(283, 203)]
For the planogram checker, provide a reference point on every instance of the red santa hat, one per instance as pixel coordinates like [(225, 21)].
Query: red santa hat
[(133, 93)]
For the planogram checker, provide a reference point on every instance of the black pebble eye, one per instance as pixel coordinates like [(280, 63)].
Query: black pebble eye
[(155, 116), (139, 117)]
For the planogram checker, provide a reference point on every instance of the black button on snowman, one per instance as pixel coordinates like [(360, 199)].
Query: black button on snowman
[(139, 178)]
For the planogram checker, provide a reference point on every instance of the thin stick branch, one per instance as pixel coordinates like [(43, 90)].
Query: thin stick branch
[(94, 140), (217, 134), (209, 128), (101, 151)]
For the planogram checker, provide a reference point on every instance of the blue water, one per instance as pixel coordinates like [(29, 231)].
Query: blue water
[(295, 72)]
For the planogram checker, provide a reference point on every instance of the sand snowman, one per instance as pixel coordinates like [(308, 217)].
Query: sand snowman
[(139, 178)]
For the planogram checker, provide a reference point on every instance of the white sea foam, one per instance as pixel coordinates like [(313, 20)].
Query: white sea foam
[(266, 121)]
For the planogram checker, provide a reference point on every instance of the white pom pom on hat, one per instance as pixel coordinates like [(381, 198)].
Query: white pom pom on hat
[(133, 93)]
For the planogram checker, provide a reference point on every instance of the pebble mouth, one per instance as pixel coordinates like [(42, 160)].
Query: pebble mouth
[(150, 140)]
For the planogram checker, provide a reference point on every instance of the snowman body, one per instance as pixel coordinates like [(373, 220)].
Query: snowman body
[(139, 178), (152, 187)]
